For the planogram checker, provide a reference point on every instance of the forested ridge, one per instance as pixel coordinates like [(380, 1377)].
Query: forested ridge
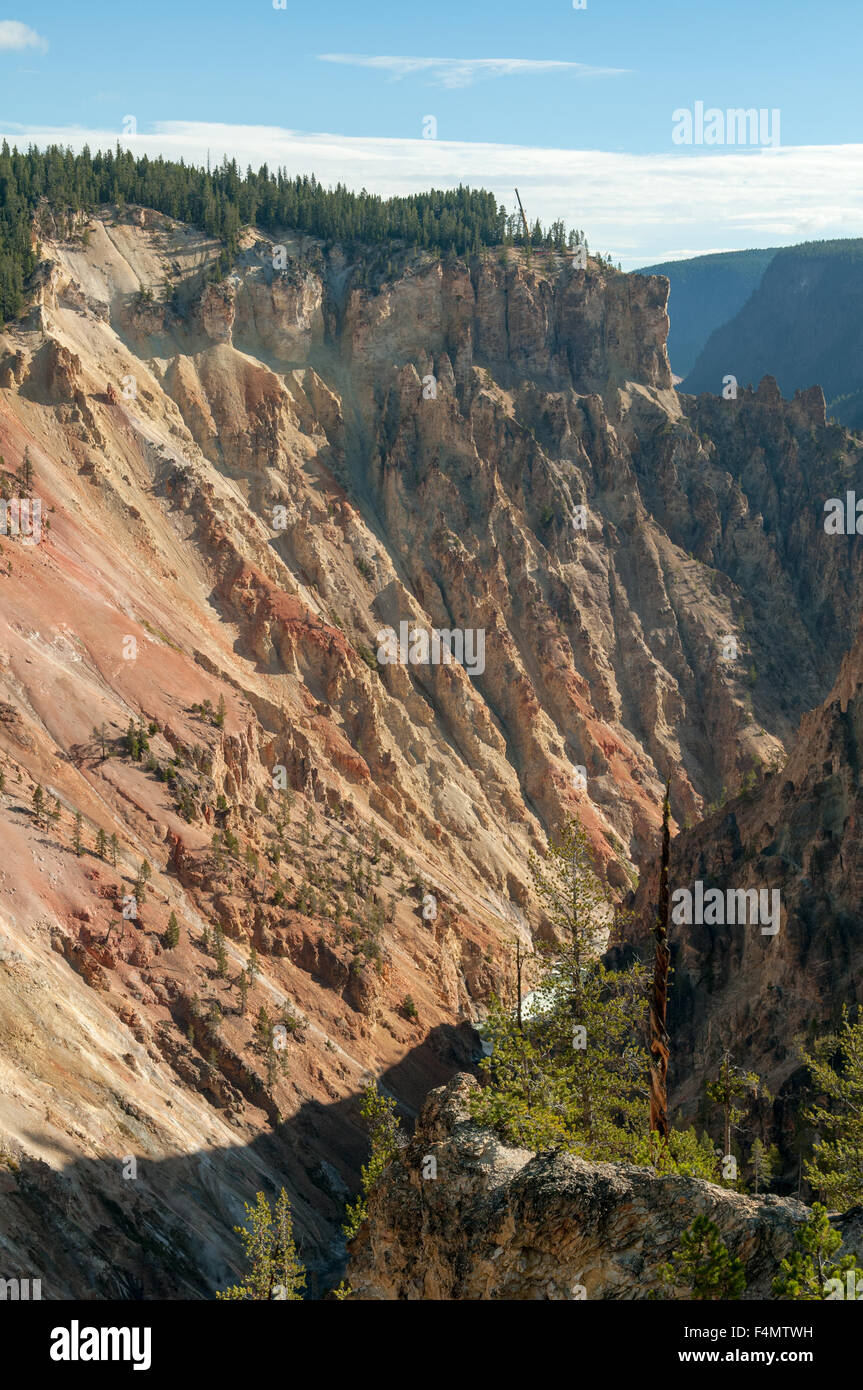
[(221, 201)]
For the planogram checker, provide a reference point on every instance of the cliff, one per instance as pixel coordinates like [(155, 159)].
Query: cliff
[(797, 833)]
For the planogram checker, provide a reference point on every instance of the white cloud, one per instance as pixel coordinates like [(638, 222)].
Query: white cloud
[(641, 208), (462, 72), (14, 36)]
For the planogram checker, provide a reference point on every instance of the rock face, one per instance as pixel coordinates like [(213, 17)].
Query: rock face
[(500, 1223), (243, 484), (798, 833)]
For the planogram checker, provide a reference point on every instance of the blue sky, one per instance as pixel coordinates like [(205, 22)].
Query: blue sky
[(580, 113)]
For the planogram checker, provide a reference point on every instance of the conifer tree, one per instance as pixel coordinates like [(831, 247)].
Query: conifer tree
[(101, 843), (38, 803), (703, 1268), (764, 1161), (379, 1113), (263, 1028), (806, 1273), (274, 1269), (576, 1072), (172, 934), (836, 1067), (143, 878), (730, 1084), (219, 952), (76, 836), (26, 472)]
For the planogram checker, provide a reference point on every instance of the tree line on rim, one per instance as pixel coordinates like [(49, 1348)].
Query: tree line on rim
[(456, 221)]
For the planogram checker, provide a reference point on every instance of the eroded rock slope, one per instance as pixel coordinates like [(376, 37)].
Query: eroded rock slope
[(242, 483)]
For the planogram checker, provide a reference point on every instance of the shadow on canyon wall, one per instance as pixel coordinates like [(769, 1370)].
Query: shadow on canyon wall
[(89, 1232)]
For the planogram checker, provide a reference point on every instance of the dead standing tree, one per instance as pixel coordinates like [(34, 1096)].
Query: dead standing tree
[(659, 998)]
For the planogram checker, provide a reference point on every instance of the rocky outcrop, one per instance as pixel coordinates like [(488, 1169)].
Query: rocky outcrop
[(460, 1216)]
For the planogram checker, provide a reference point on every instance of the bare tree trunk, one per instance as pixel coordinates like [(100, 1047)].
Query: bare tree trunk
[(518, 964), (659, 998)]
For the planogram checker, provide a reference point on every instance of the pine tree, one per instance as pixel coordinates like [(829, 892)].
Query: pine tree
[(243, 983), (115, 847), (729, 1086), (263, 1028), (574, 1073), (101, 843), (219, 720), (132, 741), (253, 965), (220, 952), (56, 811), (38, 803), (836, 1067), (703, 1268), (172, 934), (806, 1273), (379, 1113), (76, 837), (143, 878), (765, 1163), (274, 1269), (25, 474)]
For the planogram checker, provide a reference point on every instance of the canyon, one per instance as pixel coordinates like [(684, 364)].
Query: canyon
[(244, 478)]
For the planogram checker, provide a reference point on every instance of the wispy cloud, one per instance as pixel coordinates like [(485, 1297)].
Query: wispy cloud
[(463, 72), (14, 36), (642, 208)]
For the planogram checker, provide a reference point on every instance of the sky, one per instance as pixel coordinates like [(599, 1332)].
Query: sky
[(578, 107)]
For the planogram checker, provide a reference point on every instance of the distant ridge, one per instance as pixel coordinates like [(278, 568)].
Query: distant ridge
[(803, 325)]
